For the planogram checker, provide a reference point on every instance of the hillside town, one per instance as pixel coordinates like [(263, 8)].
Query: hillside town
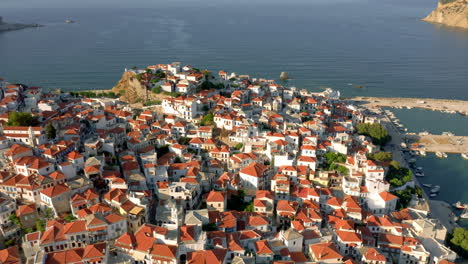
[(225, 169)]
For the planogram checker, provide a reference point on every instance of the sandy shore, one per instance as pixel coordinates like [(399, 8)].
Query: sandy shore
[(459, 106)]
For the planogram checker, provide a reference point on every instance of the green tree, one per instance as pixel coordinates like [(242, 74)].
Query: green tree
[(381, 156), (376, 132), (458, 241), (249, 207), (22, 119), (156, 89), (40, 224), (238, 146), (51, 132), (69, 218), (48, 212), (14, 219), (207, 120)]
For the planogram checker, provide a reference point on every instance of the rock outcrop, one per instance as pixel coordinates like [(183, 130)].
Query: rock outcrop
[(8, 27), (451, 13), (130, 88)]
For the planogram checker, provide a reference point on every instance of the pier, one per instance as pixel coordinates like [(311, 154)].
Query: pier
[(444, 105), (437, 143)]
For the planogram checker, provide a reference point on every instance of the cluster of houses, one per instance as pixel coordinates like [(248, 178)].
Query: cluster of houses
[(231, 174)]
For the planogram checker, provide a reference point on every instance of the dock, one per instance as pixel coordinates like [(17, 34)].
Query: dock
[(443, 105), (437, 143)]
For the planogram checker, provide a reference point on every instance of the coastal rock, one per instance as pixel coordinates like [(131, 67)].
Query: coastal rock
[(8, 27), (130, 88), (451, 13)]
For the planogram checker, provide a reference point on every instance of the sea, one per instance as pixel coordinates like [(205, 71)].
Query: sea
[(379, 45)]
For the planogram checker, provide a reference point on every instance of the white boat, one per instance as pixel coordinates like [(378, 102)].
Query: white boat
[(427, 185), (422, 153), (419, 168), (435, 189), (412, 161), (419, 174), (459, 205), (432, 195), (464, 156), (69, 21), (464, 214), (441, 154)]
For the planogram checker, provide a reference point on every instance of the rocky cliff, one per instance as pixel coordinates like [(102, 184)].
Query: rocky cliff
[(130, 88), (450, 13), (8, 27)]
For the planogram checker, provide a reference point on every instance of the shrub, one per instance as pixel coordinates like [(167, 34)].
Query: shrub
[(376, 132)]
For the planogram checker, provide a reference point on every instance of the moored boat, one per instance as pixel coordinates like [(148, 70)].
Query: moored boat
[(435, 189), (427, 185), (419, 174), (432, 195), (464, 156), (459, 205)]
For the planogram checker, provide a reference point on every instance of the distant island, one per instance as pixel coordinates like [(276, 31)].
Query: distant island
[(9, 27), (451, 13)]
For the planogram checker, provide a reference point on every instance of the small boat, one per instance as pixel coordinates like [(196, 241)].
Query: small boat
[(441, 154), (422, 153), (464, 214), (412, 161), (427, 185), (464, 156), (432, 195), (419, 174), (419, 168), (458, 205), (69, 21), (436, 189)]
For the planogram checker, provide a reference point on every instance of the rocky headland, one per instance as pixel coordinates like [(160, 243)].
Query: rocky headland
[(451, 13), (15, 26), (130, 88)]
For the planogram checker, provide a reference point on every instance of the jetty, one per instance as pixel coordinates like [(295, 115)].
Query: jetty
[(443, 105), (437, 143)]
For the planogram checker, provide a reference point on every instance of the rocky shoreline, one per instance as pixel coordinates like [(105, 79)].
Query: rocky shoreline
[(451, 13), (15, 26)]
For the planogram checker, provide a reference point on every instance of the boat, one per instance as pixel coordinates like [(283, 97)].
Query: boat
[(412, 161), (464, 214), (459, 205), (441, 154), (432, 195), (419, 174), (422, 153), (69, 21), (419, 168), (435, 189), (427, 185), (464, 156)]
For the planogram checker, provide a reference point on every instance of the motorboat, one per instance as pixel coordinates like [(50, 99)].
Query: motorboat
[(435, 189), (412, 161), (464, 156), (419, 174), (419, 168), (432, 195), (69, 21), (427, 185), (459, 205), (441, 154), (464, 214), (422, 153)]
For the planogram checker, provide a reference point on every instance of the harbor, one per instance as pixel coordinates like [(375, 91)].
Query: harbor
[(438, 163)]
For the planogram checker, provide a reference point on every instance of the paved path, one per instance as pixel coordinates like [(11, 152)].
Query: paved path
[(443, 211)]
